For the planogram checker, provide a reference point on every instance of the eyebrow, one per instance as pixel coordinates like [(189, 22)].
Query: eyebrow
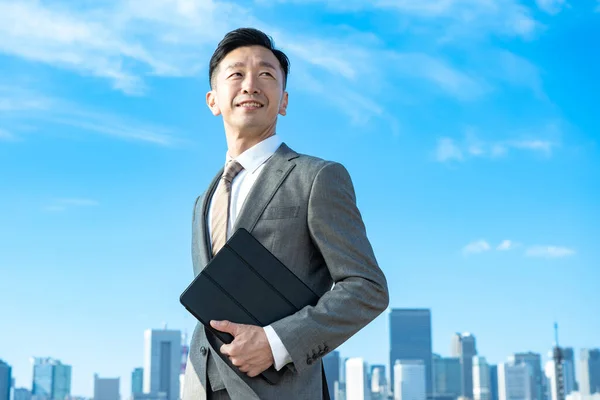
[(240, 64)]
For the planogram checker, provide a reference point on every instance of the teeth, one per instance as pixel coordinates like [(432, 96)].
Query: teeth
[(250, 105)]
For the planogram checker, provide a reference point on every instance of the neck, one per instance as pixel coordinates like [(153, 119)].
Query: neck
[(238, 141)]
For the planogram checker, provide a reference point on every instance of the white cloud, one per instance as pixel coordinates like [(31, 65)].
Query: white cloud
[(472, 146), (36, 109), (506, 245), (478, 246), (549, 251), (447, 150), (551, 6), (59, 205)]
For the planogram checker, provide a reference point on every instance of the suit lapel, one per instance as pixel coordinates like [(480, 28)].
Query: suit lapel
[(270, 179), (205, 248)]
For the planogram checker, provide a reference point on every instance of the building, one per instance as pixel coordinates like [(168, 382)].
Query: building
[(410, 380), (5, 380), (534, 362), (589, 371), (51, 379), (331, 365), (162, 362), (137, 381), (464, 347), (481, 379), (106, 388), (21, 394), (447, 377), (357, 380), (378, 382), (493, 382), (410, 339), (514, 382), (569, 370)]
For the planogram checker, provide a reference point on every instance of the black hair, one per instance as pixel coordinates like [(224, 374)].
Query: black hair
[(246, 37)]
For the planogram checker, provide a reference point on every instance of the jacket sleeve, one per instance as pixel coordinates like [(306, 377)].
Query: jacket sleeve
[(360, 292)]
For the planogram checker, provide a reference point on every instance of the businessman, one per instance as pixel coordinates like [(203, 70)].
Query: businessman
[(303, 209)]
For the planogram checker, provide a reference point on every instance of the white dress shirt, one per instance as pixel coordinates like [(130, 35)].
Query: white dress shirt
[(253, 160)]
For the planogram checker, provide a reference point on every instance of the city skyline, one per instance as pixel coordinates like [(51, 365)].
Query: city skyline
[(481, 113), (125, 385)]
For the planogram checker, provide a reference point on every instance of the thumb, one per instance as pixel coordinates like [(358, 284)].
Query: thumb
[(225, 326)]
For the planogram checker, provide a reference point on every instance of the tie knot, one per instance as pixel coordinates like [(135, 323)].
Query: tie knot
[(231, 170)]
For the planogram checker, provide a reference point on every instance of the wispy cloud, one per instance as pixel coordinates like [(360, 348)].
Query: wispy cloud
[(551, 6), (447, 150), (549, 251), (458, 17), (507, 245), (471, 146), (63, 204), (479, 246), (17, 104)]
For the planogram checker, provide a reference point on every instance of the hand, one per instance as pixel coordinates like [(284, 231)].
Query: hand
[(250, 350)]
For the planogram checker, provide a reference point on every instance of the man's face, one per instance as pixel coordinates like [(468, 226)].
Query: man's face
[(248, 89)]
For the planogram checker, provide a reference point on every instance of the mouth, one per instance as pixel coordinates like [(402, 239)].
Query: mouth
[(250, 104)]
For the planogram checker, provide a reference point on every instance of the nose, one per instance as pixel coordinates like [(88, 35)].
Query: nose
[(249, 85)]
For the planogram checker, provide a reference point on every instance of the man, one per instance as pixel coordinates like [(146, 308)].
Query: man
[(301, 208)]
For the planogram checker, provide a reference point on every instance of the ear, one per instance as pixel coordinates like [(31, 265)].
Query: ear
[(211, 102), (284, 104)]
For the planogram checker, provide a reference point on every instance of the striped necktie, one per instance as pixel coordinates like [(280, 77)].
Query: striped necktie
[(221, 202)]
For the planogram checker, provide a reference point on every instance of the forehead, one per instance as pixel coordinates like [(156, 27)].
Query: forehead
[(249, 56)]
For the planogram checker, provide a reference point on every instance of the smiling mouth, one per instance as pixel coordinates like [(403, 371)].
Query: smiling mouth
[(250, 104)]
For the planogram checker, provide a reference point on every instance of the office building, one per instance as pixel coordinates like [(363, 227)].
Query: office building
[(5, 380), (534, 362), (51, 379), (137, 381), (162, 362), (589, 371), (447, 377), (464, 347), (106, 388), (410, 380), (357, 381), (410, 339), (331, 365), (378, 382), (493, 382), (481, 379), (514, 382), (21, 394)]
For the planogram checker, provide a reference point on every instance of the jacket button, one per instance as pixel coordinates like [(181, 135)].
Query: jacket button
[(203, 350)]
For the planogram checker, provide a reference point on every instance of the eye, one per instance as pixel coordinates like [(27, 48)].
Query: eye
[(267, 73), (235, 74)]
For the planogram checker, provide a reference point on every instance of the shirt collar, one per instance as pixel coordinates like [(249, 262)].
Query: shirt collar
[(256, 155)]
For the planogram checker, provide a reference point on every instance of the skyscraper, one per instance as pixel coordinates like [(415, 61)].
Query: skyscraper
[(137, 381), (106, 388), (569, 370), (357, 382), (589, 371), (21, 394), (534, 362), (409, 380), (410, 339), (481, 379), (5, 380), (447, 376), (494, 382), (51, 379), (463, 347), (331, 365), (378, 382), (514, 382), (162, 362)]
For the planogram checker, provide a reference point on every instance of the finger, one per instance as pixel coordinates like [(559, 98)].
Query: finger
[(226, 349), (252, 373), (225, 326), (235, 361)]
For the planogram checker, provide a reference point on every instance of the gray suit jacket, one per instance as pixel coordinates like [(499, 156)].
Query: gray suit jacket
[(303, 209)]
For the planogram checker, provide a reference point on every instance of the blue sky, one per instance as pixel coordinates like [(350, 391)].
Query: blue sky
[(484, 111)]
